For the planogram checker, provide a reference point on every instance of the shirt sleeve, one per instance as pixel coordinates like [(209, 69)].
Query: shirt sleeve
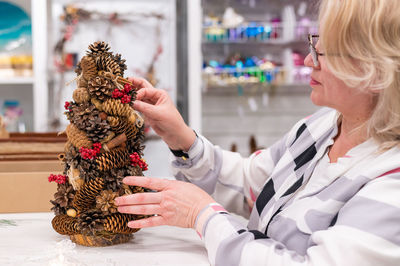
[(366, 232), (227, 176)]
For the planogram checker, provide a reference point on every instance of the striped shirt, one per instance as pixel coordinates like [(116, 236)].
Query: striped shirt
[(351, 218)]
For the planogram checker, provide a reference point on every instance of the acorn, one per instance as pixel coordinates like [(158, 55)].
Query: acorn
[(71, 212)]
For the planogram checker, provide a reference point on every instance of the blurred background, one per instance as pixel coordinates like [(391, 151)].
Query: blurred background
[(233, 67)]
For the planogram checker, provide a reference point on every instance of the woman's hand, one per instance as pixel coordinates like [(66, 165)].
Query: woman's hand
[(160, 113), (176, 203)]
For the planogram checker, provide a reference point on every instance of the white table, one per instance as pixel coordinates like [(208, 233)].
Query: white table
[(29, 239)]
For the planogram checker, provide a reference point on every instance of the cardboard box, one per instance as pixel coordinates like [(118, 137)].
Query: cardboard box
[(26, 161), (24, 186)]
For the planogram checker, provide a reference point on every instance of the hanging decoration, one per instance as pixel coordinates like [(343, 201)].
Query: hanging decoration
[(74, 16)]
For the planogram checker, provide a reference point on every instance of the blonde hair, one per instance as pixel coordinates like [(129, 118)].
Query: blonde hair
[(366, 36)]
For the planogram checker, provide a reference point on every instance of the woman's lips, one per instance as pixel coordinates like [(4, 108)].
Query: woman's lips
[(314, 82)]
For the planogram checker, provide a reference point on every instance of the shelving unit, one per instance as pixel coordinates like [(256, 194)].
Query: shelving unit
[(17, 80), (253, 80), (32, 92)]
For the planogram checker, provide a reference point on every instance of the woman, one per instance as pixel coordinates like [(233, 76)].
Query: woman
[(328, 192)]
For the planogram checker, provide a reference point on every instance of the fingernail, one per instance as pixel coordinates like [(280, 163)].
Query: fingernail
[(116, 200)]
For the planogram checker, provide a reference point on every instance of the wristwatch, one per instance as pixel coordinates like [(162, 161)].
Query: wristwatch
[(181, 153)]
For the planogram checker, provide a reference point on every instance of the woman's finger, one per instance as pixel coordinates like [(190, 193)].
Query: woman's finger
[(145, 108), (140, 82), (139, 198), (147, 182), (148, 222), (147, 209), (149, 95)]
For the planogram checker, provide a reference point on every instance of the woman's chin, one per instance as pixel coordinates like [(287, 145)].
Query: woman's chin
[(316, 99)]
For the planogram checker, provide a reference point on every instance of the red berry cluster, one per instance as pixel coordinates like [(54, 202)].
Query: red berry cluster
[(59, 179), (123, 94), (67, 106), (90, 153), (137, 161)]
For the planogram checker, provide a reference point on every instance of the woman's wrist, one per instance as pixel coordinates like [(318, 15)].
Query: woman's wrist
[(204, 215), (183, 141)]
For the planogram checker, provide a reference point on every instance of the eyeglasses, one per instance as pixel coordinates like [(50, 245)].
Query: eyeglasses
[(313, 51)]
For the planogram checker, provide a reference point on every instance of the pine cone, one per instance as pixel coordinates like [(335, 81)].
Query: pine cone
[(97, 129), (121, 63), (88, 66), (98, 48), (135, 145), (120, 126), (107, 63), (72, 156), (100, 88), (86, 117), (113, 178), (80, 114), (78, 69), (64, 195), (105, 202), (116, 158), (77, 137), (57, 209), (81, 95), (91, 222), (115, 107), (85, 197), (135, 170), (136, 189), (118, 223), (88, 170), (65, 225)]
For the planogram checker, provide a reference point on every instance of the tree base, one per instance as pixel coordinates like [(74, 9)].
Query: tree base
[(99, 241)]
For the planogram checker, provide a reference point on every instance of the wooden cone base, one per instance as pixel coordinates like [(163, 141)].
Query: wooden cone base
[(97, 241)]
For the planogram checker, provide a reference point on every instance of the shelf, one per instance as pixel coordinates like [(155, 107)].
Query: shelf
[(279, 42), (17, 80)]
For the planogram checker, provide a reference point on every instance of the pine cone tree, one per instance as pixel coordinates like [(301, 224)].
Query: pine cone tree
[(114, 159), (91, 222), (98, 48), (107, 63), (65, 225), (105, 202), (100, 88), (118, 223), (86, 196)]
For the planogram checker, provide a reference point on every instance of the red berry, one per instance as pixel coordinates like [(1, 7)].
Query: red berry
[(67, 105)]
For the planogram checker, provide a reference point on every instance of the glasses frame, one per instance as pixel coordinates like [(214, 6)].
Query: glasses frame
[(313, 51)]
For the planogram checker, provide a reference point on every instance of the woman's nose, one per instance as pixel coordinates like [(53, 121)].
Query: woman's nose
[(308, 61)]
